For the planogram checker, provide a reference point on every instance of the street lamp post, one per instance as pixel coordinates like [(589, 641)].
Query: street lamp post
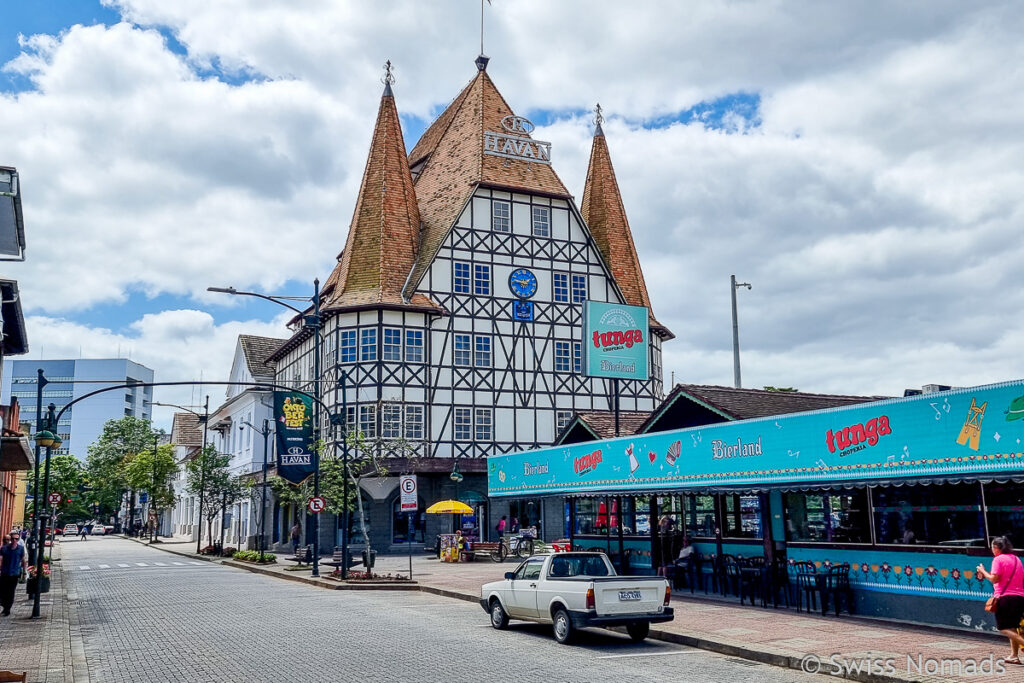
[(48, 440), (736, 332), (40, 383), (314, 323), (265, 432)]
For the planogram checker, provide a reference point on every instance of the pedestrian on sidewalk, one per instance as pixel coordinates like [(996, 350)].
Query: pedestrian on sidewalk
[(12, 566), (501, 527), (296, 535), (1007, 577)]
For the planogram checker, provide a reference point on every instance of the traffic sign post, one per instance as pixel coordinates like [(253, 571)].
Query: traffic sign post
[(316, 504), (410, 504), (55, 498)]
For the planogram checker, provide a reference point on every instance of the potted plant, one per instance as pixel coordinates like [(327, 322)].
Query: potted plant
[(33, 581)]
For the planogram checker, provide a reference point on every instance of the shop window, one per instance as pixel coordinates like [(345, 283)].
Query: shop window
[(524, 514), (833, 517), (636, 516), (742, 515), (700, 516), (939, 514), (400, 523), (593, 516), (1005, 505)]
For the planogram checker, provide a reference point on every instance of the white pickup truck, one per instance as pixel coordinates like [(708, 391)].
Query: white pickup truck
[(576, 590)]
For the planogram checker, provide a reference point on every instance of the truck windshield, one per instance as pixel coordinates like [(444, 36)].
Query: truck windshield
[(578, 565)]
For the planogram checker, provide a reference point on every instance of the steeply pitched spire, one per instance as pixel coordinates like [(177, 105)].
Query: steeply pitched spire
[(605, 215), (452, 162), (382, 239)]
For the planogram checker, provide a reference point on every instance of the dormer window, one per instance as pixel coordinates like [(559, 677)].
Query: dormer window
[(541, 221)]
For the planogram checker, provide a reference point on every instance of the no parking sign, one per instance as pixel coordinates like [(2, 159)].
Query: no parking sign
[(407, 485), (316, 504)]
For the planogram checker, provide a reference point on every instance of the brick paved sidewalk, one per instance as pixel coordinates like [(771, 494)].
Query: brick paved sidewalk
[(781, 637), (49, 648)]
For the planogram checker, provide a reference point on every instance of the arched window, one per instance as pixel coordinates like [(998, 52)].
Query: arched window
[(400, 522)]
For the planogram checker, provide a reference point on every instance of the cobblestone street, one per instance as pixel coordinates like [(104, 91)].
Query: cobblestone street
[(147, 615)]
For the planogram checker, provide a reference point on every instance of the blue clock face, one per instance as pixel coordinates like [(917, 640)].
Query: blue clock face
[(523, 283)]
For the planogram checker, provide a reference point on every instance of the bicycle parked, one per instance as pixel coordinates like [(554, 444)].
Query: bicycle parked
[(521, 545)]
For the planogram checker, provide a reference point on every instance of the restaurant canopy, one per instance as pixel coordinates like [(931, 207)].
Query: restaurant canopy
[(963, 433)]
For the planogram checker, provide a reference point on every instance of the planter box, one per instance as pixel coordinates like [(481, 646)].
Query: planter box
[(31, 583)]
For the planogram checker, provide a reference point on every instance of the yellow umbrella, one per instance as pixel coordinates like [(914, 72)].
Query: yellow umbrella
[(449, 507)]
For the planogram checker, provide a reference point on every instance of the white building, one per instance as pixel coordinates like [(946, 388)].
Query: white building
[(455, 309)]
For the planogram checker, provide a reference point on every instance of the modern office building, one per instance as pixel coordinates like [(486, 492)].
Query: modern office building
[(70, 379)]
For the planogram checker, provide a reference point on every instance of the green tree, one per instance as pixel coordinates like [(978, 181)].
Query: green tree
[(209, 478), (119, 442), (67, 477), (151, 471)]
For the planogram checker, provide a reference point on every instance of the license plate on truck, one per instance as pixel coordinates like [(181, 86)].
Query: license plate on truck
[(629, 595)]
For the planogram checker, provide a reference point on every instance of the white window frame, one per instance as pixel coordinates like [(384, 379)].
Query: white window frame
[(414, 348), (391, 421), (391, 352), (344, 347), (501, 220), (483, 418), (462, 424), (462, 284), (468, 351), (541, 222), (577, 298), (414, 420), (368, 344), (563, 356)]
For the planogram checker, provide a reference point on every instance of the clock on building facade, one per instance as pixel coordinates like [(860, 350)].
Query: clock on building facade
[(522, 283)]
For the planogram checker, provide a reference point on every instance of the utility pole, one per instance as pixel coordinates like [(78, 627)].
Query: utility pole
[(736, 332)]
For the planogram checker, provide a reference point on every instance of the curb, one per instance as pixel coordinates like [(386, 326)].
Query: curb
[(321, 583), (732, 649)]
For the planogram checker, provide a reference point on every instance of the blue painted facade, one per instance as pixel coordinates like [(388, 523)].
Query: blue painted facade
[(905, 491)]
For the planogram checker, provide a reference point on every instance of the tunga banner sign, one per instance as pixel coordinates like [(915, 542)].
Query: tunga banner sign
[(293, 412), (972, 431), (616, 340)]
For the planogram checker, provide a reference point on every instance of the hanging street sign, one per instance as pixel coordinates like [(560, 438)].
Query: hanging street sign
[(316, 504), (54, 498), (616, 338), (410, 499)]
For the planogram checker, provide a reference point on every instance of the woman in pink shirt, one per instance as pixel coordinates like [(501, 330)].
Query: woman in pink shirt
[(1007, 577)]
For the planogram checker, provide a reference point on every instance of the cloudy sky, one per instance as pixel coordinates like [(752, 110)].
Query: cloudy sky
[(861, 164)]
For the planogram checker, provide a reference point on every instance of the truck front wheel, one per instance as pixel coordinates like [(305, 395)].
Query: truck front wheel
[(499, 619), (638, 631), (562, 626)]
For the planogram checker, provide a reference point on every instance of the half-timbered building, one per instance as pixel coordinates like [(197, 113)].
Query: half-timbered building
[(453, 320)]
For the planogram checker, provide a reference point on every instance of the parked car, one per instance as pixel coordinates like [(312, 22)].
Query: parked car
[(108, 529), (70, 529), (98, 530), (575, 590)]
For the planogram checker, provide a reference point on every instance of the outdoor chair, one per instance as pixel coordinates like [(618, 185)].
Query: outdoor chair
[(836, 586), (808, 586)]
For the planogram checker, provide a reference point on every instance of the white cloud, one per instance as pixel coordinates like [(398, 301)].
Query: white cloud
[(876, 209), (180, 346)]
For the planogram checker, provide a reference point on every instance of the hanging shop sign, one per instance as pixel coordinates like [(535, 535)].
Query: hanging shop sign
[(616, 338), (293, 412), (961, 432)]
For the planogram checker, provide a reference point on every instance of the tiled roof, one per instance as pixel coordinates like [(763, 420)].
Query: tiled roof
[(602, 422), (455, 164), (382, 239), (186, 430), (745, 404), (256, 351), (605, 215)]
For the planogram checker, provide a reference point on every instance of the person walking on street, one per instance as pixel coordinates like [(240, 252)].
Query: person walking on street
[(501, 527), (12, 566), (83, 532), (296, 534), (1007, 577)]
